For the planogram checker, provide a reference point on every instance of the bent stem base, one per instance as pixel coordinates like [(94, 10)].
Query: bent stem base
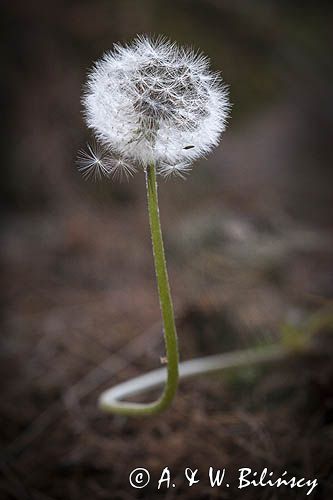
[(110, 401)]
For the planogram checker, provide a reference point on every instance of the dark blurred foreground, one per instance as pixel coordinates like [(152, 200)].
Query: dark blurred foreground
[(249, 246)]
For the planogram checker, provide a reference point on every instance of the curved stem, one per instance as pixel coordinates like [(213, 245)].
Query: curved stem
[(170, 335), (187, 369), (111, 400)]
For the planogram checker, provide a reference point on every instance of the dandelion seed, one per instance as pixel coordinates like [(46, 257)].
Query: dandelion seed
[(177, 170), (120, 169), (93, 162)]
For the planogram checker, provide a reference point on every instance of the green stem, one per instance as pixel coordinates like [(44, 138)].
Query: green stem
[(111, 400), (170, 334)]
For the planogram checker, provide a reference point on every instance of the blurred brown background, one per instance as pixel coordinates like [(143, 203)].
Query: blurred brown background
[(249, 244)]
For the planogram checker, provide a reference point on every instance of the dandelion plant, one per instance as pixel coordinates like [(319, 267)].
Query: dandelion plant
[(155, 106)]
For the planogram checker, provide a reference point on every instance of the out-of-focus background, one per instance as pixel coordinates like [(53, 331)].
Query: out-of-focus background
[(249, 242)]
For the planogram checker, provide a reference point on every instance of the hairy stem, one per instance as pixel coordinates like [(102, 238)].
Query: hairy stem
[(107, 400)]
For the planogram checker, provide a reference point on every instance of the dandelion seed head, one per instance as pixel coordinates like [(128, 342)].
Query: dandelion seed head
[(152, 101)]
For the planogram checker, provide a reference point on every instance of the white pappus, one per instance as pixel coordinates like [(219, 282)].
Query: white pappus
[(152, 102)]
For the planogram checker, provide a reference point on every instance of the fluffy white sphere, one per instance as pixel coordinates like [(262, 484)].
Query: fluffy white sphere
[(153, 101)]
